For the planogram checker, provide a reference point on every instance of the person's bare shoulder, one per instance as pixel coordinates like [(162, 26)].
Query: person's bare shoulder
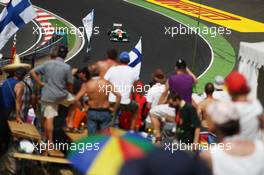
[(101, 63), (103, 81), (113, 63), (20, 85), (206, 102), (90, 84), (95, 82), (201, 104)]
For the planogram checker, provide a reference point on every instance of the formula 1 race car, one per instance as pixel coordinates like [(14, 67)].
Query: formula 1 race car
[(117, 33)]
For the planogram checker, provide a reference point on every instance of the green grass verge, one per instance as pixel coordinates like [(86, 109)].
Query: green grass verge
[(71, 36), (224, 54)]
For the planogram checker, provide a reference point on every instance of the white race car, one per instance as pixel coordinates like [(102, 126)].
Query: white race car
[(117, 33)]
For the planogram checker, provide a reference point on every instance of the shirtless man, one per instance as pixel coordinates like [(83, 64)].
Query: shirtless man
[(203, 105), (103, 65), (99, 112)]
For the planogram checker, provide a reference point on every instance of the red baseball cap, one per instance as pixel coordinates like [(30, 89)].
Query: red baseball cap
[(236, 83)]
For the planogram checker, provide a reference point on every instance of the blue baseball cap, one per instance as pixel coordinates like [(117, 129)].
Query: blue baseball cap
[(124, 57)]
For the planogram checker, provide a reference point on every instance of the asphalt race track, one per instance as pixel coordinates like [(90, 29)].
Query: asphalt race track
[(25, 39), (159, 50)]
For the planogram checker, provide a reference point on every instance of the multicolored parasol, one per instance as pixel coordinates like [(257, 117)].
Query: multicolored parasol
[(206, 138), (107, 152)]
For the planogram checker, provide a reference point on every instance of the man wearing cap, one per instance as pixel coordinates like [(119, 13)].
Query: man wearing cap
[(56, 88), (123, 78), (250, 111), (182, 83)]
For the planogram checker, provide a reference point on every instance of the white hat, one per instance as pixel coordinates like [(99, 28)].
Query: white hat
[(219, 82), (222, 112)]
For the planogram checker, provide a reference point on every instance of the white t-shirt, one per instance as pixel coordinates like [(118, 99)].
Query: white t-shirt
[(226, 164), (249, 113), (122, 77), (154, 94)]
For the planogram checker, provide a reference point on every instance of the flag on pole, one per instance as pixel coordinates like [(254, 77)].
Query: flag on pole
[(88, 25), (15, 15), (136, 57)]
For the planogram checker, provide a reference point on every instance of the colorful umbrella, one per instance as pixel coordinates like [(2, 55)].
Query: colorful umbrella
[(206, 138), (108, 152)]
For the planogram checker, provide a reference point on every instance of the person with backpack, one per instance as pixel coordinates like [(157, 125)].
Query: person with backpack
[(12, 104), (14, 96)]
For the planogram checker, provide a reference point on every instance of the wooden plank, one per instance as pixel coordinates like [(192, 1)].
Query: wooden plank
[(24, 130), (77, 136), (55, 153), (41, 158)]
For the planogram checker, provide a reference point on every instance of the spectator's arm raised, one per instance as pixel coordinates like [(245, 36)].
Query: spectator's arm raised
[(192, 75)]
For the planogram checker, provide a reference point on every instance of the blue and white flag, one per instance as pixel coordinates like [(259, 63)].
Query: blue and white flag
[(15, 15), (88, 25), (136, 57)]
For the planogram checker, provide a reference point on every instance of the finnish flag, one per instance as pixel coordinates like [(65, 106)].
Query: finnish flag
[(136, 57), (15, 15)]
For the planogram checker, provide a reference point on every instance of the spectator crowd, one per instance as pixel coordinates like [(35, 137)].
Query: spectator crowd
[(103, 95)]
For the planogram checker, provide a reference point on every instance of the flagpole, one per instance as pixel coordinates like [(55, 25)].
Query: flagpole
[(196, 38), (13, 48), (35, 53)]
